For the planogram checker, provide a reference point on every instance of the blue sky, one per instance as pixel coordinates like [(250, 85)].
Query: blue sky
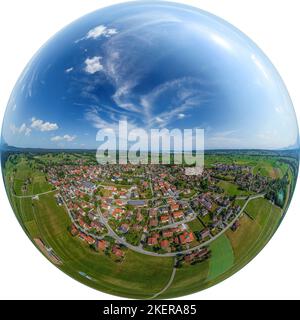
[(157, 66)]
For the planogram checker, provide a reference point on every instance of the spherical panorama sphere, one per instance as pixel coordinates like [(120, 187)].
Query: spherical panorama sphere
[(150, 150)]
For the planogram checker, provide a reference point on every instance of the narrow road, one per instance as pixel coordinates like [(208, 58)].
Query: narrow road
[(168, 284), (34, 195), (175, 224)]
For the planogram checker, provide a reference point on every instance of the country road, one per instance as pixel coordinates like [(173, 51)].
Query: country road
[(33, 195), (168, 284)]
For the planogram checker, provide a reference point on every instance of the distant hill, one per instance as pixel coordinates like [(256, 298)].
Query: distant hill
[(4, 147)]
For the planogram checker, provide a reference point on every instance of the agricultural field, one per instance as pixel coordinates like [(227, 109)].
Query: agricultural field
[(232, 189), (222, 257)]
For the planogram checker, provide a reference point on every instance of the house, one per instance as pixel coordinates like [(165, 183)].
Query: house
[(235, 226), (186, 237), (189, 212), (204, 212), (164, 219), (165, 244), (167, 234), (124, 228), (111, 188), (117, 213), (163, 210), (153, 222), (174, 207), (205, 233), (189, 258), (137, 203), (88, 186), (202, 252), (90, 240), (86, 238), (92, 216), (102, 245), (119, 202), (105, 206), (184, 205), (74, 230), (152, 212), (178, 215), (139, 217), (117, 251), (152, 241), (97, 225)]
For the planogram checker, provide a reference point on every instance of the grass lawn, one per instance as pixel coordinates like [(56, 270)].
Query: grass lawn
[(138, 276), (263, 211), (196, 225), (270, 168), (25, 171), (188, 279), (232, 189), (243, 238), (239, 202), (222, 257), (255, 231), (26, 211)]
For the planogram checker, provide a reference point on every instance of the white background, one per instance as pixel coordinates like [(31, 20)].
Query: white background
[(26, 25)]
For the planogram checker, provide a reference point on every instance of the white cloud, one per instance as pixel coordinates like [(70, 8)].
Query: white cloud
[(181, 116), (43, 126), (99, 31), (14, 107), (93, 65), (66, 137), (69, 70), (23, 129)]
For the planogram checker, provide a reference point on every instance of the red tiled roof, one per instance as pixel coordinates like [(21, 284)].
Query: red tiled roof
[(164, 244)]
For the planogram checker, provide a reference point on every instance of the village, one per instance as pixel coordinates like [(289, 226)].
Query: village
[(152, 209)]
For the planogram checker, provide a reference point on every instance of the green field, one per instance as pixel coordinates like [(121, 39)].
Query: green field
[(232, 189), (188, 279), (25, 172), (196, 225), (222, 257), (240, 202), (260, 223)]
